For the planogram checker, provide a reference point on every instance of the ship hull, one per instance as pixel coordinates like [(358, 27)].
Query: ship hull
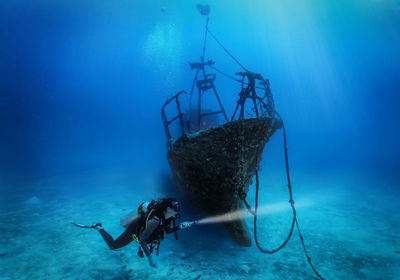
[(215, 167)]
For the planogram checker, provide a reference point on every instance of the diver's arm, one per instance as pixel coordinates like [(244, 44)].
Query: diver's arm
[(171, 228), (152, 224)]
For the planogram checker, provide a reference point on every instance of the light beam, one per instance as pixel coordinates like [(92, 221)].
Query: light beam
[(266, 209)]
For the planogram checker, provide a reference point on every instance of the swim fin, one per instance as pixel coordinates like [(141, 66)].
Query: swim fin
[(85, 226)]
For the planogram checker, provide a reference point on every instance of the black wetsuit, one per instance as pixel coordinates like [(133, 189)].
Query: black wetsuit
[(154, 229)]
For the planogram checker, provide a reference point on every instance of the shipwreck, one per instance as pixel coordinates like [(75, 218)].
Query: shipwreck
[(214, 158)]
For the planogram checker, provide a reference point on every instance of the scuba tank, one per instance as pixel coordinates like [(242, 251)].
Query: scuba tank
[(149, 208), (132, 216)]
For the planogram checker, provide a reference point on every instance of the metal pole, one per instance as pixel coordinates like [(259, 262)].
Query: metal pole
[(180, 114), (219, 102), (199, 109)]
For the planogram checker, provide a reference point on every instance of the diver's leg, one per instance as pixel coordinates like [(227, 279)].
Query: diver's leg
[(124, 239)]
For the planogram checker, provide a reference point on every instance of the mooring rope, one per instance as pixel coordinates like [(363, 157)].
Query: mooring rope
[(230, 77), (291, 201), (265, 251), (222, 46), (243, 196), (205, 38)]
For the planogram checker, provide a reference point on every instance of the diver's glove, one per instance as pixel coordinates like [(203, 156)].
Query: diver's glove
[(186, 224)]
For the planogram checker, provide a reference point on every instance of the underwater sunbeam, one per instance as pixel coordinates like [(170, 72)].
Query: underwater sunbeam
[(262, 210)]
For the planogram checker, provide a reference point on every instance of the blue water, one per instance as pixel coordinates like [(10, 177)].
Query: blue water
[(82, 84)]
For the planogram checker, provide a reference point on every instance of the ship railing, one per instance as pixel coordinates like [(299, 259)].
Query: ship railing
[(248, 91), (178, 116)]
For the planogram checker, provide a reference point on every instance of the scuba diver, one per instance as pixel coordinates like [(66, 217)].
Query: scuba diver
[(146, 226)]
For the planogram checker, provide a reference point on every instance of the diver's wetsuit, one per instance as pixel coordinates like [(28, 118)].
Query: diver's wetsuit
[(134, 228), (124, 239)]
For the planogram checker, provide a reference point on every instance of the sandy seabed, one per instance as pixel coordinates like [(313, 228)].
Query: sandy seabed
[(349, 234)]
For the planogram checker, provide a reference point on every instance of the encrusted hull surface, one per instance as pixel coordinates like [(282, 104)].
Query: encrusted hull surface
[(213, 167)]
